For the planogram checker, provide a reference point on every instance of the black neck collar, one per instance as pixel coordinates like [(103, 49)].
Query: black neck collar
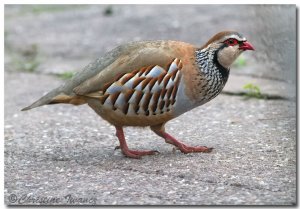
[(224, 71)]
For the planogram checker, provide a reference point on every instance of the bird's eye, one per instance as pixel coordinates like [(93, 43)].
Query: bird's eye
[(231, 42)]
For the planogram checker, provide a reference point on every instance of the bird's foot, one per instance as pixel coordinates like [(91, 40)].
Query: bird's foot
[(138, 154), (127, 152), (182, 147), (188, 149)]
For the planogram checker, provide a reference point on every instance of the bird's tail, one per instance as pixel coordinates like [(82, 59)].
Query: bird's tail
[(57, 96)]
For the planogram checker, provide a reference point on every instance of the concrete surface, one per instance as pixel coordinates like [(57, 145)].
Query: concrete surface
[(64, 154)]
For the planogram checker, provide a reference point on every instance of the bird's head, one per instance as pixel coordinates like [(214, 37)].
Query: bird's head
[(228, 45)]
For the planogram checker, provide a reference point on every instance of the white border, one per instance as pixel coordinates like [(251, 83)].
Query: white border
[(102, 2), (149, 2)]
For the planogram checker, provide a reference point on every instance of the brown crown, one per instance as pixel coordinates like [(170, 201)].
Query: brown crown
[(218, 36)]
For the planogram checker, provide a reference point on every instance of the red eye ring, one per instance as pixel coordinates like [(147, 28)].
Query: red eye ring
[(231, 42)]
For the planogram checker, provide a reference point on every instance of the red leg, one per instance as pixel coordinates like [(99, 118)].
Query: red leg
[(182, 147), (127, 152)]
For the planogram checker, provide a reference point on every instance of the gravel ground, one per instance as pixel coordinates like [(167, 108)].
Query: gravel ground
[(65, 155)]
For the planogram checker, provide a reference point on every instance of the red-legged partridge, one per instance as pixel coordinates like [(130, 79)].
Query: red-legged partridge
[(151, 82)]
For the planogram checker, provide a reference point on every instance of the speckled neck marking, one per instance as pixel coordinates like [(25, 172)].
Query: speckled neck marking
[(209, 65), (215, 74)]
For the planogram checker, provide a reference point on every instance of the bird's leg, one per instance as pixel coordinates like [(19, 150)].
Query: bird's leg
[(127, 152), (159, 130)]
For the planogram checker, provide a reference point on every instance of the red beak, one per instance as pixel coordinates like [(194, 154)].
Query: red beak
[(246, 46)]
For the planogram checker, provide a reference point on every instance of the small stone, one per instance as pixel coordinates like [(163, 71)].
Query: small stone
[(8, 126)]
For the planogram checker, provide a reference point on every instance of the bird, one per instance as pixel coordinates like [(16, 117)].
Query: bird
[(148, 83)]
